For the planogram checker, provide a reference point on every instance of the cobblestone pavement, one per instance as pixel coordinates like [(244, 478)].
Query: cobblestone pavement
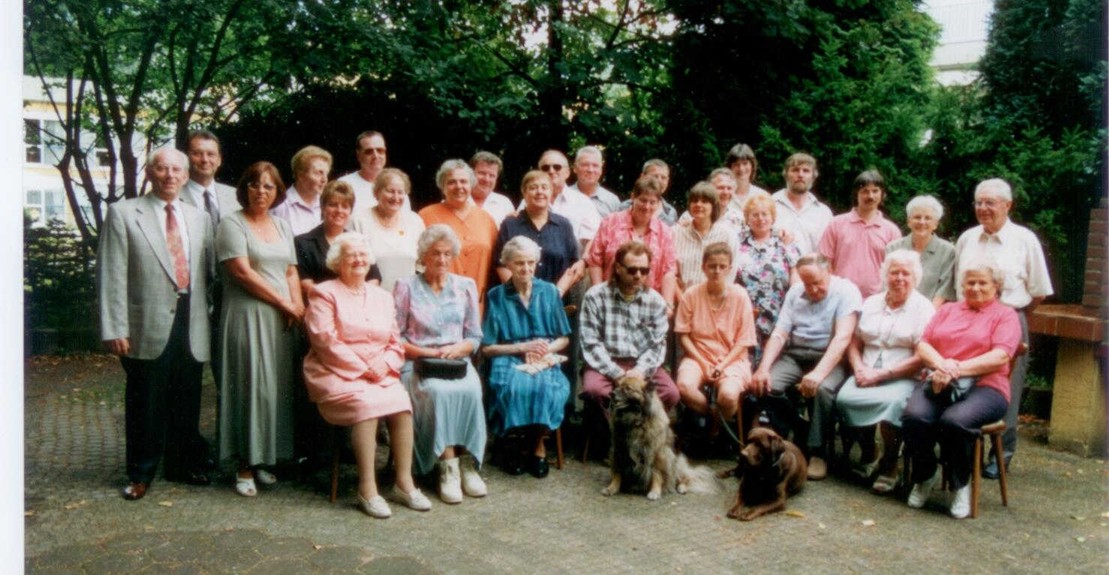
[(76, 522)]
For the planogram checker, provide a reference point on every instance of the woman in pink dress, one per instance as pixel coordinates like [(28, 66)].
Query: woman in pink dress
[(352, 372), (715, 325)]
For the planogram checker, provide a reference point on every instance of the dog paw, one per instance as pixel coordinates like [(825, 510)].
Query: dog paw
[(748, 515), (654, 495), (607, 491), (682, 488)]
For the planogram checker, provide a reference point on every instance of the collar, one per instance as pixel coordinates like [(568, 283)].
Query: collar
[(615, 292), (1003, 233), (293, 197)]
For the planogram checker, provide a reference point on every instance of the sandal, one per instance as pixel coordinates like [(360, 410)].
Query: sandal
[(264, 477), (884, 484), (865, 470), (245, 486)]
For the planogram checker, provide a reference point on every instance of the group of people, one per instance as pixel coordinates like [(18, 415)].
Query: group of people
[(475, 315)]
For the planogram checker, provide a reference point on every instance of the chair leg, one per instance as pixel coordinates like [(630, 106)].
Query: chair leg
[(558, 446), (976, 478), (335, 455), (1002, 479)]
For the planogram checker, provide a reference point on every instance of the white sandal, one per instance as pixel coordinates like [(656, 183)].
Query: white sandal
[(245, 486), (264, 477)]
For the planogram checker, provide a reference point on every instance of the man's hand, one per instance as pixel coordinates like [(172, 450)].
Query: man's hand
[(809, 384), (120, 347), (760, 381)]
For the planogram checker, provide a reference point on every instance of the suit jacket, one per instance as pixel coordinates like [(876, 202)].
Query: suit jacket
[(225, 196), (136, 282)]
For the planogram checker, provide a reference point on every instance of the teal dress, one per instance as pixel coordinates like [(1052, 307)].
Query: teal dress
[(520, 398)]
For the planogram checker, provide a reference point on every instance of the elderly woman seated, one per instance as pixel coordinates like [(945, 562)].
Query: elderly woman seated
[(437, 312), (353, 367), (883, 359), (525, 326), (966, 349), (715, 325)]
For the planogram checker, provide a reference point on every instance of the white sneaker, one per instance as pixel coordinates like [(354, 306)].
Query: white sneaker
[(414, 500), (921, 491), (960, 504), (375, 507), (472, 484), (450, 481)]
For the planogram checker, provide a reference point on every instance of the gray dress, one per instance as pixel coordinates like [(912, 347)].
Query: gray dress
[(938, 261), (256, 379)]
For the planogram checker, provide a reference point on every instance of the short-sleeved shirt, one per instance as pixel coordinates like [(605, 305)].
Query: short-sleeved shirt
[(715, 331), (301, 215), (477, 233), (890, 335), (579, 209), (960, 332), (938, 261), (856, 248), (812, 324), (807, 224), (498, 206), (394, 248), (764, 269), (1020, 255), (613, 327), (618, 229), (558, 250), (605, 201), (689, 249)]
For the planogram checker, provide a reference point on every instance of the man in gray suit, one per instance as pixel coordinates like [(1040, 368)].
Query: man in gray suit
[(202, 190), (154, 263)]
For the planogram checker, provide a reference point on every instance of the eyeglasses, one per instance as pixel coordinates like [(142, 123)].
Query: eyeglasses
[(636, 271), (987, 203), (551, 167), (257, 186)]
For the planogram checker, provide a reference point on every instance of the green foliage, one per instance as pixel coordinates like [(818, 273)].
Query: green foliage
[(58, 281)]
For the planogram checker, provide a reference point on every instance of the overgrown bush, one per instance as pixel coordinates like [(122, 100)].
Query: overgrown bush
[(59, 292)]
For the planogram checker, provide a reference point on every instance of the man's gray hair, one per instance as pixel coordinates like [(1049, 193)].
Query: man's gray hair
[(590, 150), (994, 187)]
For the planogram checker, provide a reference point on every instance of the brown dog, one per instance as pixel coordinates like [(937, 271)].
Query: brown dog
[(770, 468), (642, 452)]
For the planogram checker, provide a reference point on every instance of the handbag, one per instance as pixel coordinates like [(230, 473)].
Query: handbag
[(440, 368)]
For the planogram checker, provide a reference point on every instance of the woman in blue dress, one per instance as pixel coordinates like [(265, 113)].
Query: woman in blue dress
[(525, 328)]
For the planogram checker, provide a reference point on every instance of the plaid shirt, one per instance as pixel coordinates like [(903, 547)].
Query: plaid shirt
[(612, 328)]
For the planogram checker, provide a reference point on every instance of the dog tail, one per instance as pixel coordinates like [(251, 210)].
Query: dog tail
[(697, 478)]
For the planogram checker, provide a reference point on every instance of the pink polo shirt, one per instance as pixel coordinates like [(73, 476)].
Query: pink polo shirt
[(960, 332), (857, 247)]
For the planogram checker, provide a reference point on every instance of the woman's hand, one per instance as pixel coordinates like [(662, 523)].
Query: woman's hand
[(294, 312), (455, 350), (535, 350), (867, 376), (377, 371)]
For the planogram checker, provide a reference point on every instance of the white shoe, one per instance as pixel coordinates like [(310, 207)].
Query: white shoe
[(960, 504), (921, 491), (450, 481), (264, 477), (375, 507), (472, 484), (414, 500)]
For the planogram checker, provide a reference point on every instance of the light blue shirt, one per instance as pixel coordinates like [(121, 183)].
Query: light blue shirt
[(811, 324)]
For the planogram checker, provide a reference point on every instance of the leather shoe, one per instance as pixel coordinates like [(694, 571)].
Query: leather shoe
[(539, 467), (194, 477), (511, 465), (135, 491), (991, 471)]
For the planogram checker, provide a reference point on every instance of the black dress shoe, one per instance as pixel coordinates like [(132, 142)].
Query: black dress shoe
[(190, 478), (539, 468), (991, 471), (135, 491), (511, 464)]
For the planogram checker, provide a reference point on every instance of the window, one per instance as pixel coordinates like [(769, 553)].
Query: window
[(43, 141), (44, 205)]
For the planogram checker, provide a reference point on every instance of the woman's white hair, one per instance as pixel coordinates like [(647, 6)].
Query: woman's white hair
[(984, 264), (434, 234), (909, 258), (342, 242), (519, 246), (450, 166), (924, 203)]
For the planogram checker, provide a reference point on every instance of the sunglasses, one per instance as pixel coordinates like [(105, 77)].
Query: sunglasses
[(552, 167), (636, 271)]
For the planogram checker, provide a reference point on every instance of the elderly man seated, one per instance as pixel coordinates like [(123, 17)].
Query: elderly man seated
[(806, 350), (623, 329)]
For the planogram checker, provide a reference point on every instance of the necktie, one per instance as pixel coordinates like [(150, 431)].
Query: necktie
[(210, 207), (176, 250)]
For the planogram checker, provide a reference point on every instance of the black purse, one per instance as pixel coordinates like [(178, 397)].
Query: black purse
[(439, 368)]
